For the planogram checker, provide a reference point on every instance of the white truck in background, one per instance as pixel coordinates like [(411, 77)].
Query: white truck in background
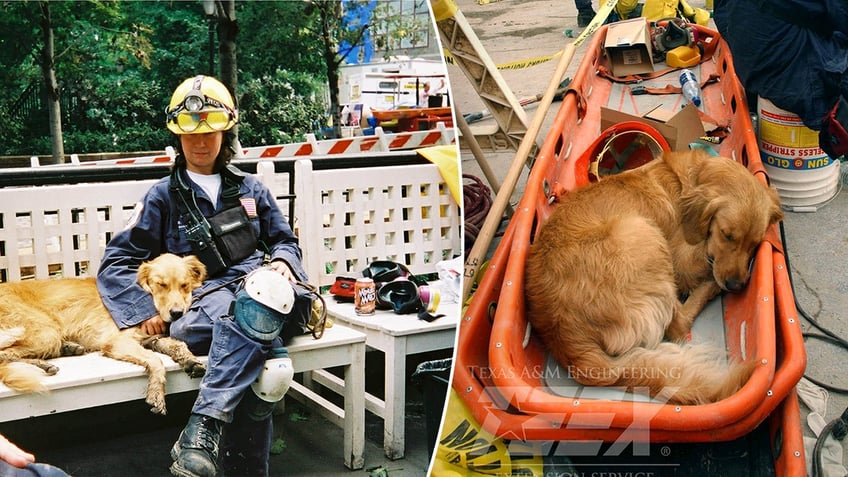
[(387, 85)]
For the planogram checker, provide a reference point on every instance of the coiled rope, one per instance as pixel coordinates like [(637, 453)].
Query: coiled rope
[(477, 200)]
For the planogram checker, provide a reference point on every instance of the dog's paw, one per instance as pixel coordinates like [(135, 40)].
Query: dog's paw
[(157, 404), (48, 368), (194, 368), (69, 348)]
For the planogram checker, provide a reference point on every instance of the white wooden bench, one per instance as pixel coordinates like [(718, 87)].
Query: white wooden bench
[(61, 231), (351, 217)]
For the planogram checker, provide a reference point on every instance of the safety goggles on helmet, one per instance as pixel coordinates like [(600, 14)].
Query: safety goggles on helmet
[(201, 105), (215, 119)]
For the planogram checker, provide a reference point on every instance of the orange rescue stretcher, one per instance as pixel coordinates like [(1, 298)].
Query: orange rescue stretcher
[(505, 376), (413, 119)]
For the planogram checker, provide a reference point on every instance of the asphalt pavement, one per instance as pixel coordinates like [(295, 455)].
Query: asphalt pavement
[(126, 440)]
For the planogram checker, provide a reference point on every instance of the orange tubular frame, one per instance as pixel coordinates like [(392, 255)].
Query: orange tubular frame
[(497, 366)]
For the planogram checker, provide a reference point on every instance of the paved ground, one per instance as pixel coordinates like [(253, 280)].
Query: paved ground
[(126, 440), (817, 243)]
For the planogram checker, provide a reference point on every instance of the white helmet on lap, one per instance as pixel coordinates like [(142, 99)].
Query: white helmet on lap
[(271, 289), (262, 304)]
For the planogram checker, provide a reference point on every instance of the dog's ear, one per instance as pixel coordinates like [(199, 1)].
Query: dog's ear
[(143, 275), (697, 208), (776, 213), (686, 165), (196, 268)]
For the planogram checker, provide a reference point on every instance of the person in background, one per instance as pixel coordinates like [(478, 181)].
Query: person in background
[(585, 12), (232, 223), (425, 93), (624, 10), (795, 54), (15, 462)]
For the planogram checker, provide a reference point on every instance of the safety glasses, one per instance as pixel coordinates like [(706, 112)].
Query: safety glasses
[(215, 119), (197, 109)]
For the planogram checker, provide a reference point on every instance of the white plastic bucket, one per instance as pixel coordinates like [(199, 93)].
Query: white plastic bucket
[(797, 167)]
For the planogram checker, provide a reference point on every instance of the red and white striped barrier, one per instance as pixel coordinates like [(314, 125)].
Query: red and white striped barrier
[(379, 142)]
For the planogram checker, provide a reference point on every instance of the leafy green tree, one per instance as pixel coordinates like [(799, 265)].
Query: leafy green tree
[(287, 28), (389, 25), (275, 110), (48, 73), (95, 46), (117, 62), (395, 30)]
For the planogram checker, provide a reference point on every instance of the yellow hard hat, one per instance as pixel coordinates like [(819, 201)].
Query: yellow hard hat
[(201, 105)]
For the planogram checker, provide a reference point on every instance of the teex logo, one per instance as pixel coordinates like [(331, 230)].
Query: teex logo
[(636, 433)]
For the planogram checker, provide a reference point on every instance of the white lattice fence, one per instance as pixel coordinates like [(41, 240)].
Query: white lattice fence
[(62, 229), (400, 213)]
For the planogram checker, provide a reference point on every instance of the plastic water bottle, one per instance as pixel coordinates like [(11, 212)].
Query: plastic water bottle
[(691, 88)]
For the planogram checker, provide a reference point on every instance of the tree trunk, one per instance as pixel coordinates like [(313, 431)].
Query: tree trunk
[(51, 86), (227, 31), (331, 19)]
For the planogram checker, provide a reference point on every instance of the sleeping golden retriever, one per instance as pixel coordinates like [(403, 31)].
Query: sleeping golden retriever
[(44, 319), (607, 271)]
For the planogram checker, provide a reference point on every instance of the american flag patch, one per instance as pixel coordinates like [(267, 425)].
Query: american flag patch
[(249, 204)]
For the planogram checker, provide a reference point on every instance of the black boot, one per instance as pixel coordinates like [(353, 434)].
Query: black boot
[(584, 17), (195, 453), (246, 448), (246, 444)]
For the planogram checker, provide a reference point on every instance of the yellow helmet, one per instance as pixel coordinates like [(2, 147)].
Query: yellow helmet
[(201, 105)]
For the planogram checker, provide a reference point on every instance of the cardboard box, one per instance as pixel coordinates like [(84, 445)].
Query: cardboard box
[(679, 129), (628, 47)]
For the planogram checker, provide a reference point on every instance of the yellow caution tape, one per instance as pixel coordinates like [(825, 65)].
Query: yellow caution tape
[(465, 449), (606, 7), (521, 64)]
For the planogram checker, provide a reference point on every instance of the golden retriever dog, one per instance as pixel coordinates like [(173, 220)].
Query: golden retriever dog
[(44, 319), (607, 272)]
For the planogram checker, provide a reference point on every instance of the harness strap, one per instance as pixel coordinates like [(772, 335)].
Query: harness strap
[(604, 71), (187, 203), (198, 230), (231, 179)]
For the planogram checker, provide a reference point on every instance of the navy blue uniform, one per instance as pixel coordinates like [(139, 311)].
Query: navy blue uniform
[(235, 360), (792, 52)]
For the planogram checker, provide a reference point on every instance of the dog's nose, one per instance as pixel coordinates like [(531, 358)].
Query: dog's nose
[(734, 285), (176, 313)]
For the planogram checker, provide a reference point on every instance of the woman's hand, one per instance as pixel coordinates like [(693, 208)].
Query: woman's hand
[(154, 326), (281, 267)]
